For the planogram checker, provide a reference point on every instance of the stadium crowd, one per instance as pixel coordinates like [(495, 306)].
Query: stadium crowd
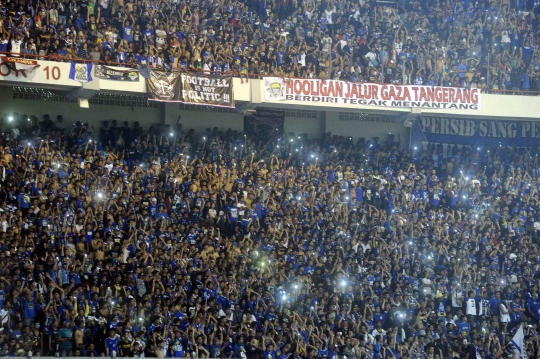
[(486, 44), (171, 243)]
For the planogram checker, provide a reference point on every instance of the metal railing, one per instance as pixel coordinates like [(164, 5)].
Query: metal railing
[(513, 83)]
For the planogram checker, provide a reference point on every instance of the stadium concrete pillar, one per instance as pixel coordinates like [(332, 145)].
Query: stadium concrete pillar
[(162, 112)]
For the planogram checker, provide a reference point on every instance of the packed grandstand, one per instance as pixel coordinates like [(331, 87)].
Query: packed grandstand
[(170, 243), (166, 242), (490, 45)]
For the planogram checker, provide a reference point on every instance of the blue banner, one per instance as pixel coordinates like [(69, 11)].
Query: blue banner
[(477, 132)]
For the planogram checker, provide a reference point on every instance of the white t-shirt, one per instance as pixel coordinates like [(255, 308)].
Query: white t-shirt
[(505, 316), (470, 307), (302, 59), (16, 46), (457, 297), (161, 35), (329, 16), (505, 37), (371, 56)]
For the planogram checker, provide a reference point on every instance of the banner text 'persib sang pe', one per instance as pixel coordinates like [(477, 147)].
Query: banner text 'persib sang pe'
[(370, 94), (475, 132)]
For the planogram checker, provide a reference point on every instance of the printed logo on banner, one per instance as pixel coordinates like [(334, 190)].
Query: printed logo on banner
[(133, 75), (164, 85), (274, 88), (81, 72)]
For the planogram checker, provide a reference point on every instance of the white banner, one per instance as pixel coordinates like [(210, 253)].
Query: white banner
[(370, 94)]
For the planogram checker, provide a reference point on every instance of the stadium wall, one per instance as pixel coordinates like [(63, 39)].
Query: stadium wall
[(72, 112), (354, 125), (200, 118), (308, 122), (299, 121)]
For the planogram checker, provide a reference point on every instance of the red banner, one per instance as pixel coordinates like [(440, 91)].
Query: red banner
[(16, 63)]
